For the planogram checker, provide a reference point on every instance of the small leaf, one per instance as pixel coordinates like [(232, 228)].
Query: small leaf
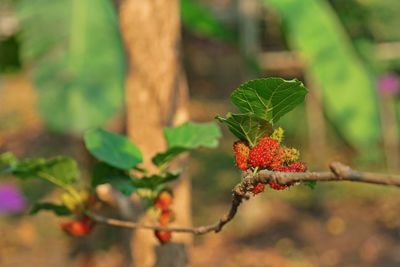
[(163, 158), (117, 178), (186, 137), (64, 169), (7, 162), (153, 182), (310, 184), (59, 210), (246, 126), (268, 98), (60, 170), (114, 149)]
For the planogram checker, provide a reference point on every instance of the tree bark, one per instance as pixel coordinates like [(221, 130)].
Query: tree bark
[(156, 96)]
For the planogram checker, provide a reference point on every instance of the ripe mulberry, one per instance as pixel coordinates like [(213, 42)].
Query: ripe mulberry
[(241, 151), (258, 188), (277, 186), (80, 227), (163, 200), (166, 217), (163, 236), (265, 153)]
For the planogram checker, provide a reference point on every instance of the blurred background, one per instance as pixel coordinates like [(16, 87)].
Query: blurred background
[(62, 70)]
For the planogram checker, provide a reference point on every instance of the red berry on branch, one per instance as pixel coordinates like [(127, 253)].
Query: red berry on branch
[(265, 153), (166, 217), (163, 236), (241, 152), (163, 200), (297, 167), (258, 188), (277, 186), (80, 227)]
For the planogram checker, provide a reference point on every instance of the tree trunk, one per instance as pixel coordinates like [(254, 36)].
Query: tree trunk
[(156, 96)]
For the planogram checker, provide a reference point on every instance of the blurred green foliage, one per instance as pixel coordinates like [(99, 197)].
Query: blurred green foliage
[(202, 21), (347, 87), (77, 57), (9, 57)]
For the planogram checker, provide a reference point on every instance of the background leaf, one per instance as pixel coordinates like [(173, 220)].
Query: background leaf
[(186, 137), (315, 31), (59, 210), (200, 20), (62, 171), (156, 182), (77, 57), (7, 162), (269, 98), (117, 178), (114, 149)]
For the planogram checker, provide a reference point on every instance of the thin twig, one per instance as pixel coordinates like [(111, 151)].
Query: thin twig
[(339, 172)]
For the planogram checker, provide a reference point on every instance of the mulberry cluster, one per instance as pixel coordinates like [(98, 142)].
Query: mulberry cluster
[(163, 202), (268, 154)]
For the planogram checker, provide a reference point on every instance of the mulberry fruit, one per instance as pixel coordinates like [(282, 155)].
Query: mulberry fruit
[(241, 151), (163, 236), (265, 153), (258, 188), (166, 217), (163, 200), (80, 227)]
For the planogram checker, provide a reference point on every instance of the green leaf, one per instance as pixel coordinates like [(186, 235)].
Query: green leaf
[(114, 149), (347, 86), (59, 210), (117, 178), (269, 98), (186, 137), (193, 135), (61, 171), (246, 126), (162, 158), (200, 20), (310, 184), (153, 182), (76, 53), (7, 162)]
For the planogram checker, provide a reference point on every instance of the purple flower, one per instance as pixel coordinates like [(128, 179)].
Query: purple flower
[(389, 84), (11, 199)]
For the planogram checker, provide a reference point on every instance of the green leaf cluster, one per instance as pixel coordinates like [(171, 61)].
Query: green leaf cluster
[(262, 102), (120, 158)]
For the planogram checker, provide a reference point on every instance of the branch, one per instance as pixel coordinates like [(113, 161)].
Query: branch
[(339, 172)]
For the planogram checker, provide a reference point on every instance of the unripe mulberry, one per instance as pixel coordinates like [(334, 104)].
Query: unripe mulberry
[(264, 154), (163, 236), (241, 152), (289, 155), (258, 188), (278, 134), (80, 227)]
